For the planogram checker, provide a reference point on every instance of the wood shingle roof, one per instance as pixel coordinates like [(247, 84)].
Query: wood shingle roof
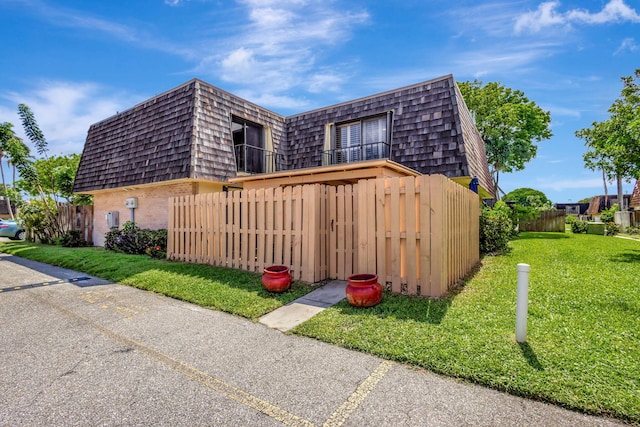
[(148, 143), (433, 131), (186, 133), (635, 196), (182, 133)]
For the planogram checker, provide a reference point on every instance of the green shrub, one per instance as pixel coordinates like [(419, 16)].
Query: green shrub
[(578, 227), (611, 228), (608, 215), (496, 228), (157, 243), (134, 240), (633, 230), (37, 221), (570, 219), (73, 239)]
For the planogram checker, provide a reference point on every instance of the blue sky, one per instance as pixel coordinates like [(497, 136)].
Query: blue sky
[(76, 62)]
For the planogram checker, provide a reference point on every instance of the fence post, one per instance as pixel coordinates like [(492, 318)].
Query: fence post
[(522, 302)]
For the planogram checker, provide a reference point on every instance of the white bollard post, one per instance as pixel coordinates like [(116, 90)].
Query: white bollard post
[(522, 303)]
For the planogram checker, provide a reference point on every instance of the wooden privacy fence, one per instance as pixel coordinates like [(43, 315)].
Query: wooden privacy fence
[(73, 217), (548, 221), (250, 230), (419, 234)]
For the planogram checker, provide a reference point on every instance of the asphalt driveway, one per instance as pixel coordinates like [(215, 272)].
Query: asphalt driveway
[(76, 350)]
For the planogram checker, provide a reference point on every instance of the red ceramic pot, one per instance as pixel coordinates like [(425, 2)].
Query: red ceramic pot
[(276, 278), (363, 290)]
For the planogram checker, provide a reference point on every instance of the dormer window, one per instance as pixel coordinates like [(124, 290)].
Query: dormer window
[(365, 139), (248, 143)]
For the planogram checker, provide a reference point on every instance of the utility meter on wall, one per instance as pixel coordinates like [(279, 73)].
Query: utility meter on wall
[(131, 202)]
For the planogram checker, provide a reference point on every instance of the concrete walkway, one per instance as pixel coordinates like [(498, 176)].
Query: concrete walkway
[(304, 308), (87, 352)]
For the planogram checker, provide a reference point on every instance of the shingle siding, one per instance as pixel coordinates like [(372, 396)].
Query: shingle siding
[(214, 158), (148, 143), (432, 130), (186, 133), (183, 133)]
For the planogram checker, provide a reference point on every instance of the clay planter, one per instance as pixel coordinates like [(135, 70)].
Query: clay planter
[(363, 290), (276, 278)]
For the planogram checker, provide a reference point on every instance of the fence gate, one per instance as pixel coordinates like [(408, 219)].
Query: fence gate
[(342, 207)]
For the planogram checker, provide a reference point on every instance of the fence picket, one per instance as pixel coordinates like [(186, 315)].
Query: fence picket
[(410, 232), (297, 232), (381, 235), (395, 234), (288, 225), (278, 232)]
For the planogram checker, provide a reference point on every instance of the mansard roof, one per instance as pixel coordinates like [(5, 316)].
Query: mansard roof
[(185, 133)]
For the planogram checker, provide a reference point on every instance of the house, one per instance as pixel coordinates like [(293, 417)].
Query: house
[(634, 203), (4, 209), (573, 209), (197, 138), (600, 203)]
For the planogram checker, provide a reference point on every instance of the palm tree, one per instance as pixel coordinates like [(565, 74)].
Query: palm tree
[(7, 137)]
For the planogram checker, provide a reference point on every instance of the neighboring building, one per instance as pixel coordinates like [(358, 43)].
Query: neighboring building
[(634, 202), (574, 209), (600, 203), (4, 209), (197, 138)]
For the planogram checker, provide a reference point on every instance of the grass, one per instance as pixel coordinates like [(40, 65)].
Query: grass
[(583, 348), (232, 291), (583, 343)]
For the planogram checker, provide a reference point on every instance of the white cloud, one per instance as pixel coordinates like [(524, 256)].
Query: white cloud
[(563, 111), (324, 82), (614, 11), (569, 184), (279, 46), (495, 59), (547, 15), (275, 101), (544, 16), (265, 46), (628, 44), (71, 18), (64, 111), (239, 65)]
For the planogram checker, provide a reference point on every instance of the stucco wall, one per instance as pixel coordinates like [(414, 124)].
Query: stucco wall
[(152, 211)]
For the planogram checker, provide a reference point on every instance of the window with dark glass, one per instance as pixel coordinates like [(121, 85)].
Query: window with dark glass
[(248, 144), (365, 139)]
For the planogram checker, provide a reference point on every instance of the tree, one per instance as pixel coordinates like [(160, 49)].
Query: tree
[(47, 180), (613, 145), (47, 226), (56, 175), (13, 149), (509, 123), (528, 197), (596, 159)]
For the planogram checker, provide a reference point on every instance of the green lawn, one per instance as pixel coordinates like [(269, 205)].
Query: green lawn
[(233, 291), (583, 349)]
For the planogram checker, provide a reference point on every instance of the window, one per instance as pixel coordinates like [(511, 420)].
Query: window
[(248, 144), (365, 139)]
